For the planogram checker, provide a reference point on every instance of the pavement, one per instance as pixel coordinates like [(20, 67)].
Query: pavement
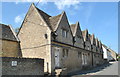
[(107, 70)]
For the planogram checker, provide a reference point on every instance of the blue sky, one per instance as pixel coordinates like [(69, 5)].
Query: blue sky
[(100, 18)]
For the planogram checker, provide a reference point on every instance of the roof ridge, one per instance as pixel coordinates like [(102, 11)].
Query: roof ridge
[(42, 11)]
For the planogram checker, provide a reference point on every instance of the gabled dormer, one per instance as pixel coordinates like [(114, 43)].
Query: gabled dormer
[(97, 45), (62, 30), (92, 38), (87, 42), (93, 42), (100, 47), (78, 40), (86, 35)]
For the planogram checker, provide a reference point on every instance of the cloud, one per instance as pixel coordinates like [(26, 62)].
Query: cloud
[(19, 18), (88, 13), (36, 1), (61, 4), (71, 22)]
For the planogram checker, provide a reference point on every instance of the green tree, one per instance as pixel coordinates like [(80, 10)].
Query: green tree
[(17, 30)]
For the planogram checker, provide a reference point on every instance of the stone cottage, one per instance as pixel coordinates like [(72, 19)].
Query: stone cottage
[(61, 45), (87, 56), (109, 54), (93, 49), (113, 54), (10, 46)]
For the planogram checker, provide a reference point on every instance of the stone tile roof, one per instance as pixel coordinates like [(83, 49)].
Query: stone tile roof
[(45, 16), (92, 39), (110, 50), (100, 44), (104, 46), (7, 33), (73, 28), (53, 21), (50, 20), (84, 34), (97, 42)]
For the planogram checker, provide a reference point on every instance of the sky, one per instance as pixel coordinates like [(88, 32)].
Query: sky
[(100, 18)]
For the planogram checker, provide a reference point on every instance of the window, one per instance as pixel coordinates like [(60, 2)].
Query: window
[(80, 37), (46, 36), (64, 33), (14, 63), (88, 54), (65, 53), (75, 39), (91, 46), (88, 48), (94, 55), (96, 49), (79, 54), (84, 59), (93, 43)]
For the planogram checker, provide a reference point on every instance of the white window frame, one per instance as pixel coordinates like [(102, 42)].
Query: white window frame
[(85, 59), (64, 33), (66, 52), (82, 59)]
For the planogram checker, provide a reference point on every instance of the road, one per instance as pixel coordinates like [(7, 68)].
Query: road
[(107, 70), (111, 70)]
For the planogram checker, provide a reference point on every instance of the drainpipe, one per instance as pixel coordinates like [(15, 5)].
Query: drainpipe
[(92, 60), (92, 55)]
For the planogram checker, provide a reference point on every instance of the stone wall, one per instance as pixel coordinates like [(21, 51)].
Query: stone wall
[(25, 66), (64, 25), (10, 49), (35, 38), (72, 62)]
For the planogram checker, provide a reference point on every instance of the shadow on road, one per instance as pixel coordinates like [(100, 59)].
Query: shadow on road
[(91, 70)]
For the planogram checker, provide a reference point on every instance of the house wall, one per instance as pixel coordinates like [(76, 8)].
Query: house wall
[(87, 45), (35, 41), (0, 47), (72, 62), (114, 56), (93, 48), (79, 41), (79, 38), (105, 53), (25, 66), (10, 49), (35, 38), (64, 25), (86, 59), (94, 60), (67, 62)]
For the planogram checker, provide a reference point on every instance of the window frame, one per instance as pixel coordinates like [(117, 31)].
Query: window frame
[(64, 33), (14, 63), (65, 52)]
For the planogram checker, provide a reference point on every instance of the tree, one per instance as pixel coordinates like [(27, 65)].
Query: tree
[(17, 30)]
